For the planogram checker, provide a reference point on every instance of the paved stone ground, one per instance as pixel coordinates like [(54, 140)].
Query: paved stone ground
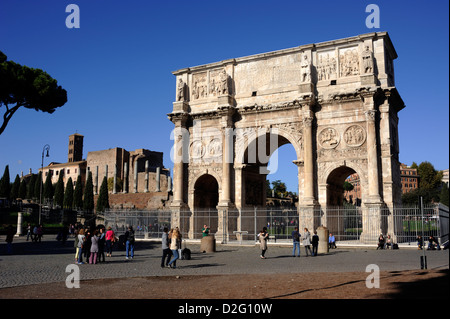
[(46, 262)]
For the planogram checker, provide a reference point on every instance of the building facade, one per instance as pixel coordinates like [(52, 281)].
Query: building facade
[(139, 171)]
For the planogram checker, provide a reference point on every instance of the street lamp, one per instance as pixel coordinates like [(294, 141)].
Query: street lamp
[(45, 151)]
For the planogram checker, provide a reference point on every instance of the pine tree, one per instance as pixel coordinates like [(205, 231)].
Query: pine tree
[(103, 200), (5, 184), (68, 195), (59, 190), (88, 199), (78, 194)]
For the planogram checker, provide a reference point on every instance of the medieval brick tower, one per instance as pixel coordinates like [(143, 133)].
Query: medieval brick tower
[(75, 148)]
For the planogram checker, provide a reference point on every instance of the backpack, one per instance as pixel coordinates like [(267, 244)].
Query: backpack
[(130, 237), (186, 254), (296, 236)]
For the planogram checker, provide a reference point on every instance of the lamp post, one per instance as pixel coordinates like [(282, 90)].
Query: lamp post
[(45, 150)]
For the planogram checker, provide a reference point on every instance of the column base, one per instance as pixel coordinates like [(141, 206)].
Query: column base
[(224, 222)]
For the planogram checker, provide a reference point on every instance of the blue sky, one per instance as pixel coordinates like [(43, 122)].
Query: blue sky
[(117, 67)]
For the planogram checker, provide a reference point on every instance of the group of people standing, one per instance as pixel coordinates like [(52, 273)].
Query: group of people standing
[(94, 244), (307, 241), (35, 233)]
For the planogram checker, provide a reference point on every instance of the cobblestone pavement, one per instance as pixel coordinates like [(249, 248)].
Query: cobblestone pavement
[(46, 262)]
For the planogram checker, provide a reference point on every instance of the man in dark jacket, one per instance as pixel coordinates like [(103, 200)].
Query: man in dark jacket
[(315, 243)]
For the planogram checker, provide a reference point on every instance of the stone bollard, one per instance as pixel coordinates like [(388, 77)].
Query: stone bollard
[(208, 244), (322, 232)]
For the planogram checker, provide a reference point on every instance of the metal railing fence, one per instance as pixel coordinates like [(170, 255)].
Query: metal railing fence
[(351, 225)]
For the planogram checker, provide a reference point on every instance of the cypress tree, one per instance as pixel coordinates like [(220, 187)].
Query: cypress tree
[(30, 187), (68, 195), (59, 190), (37, 186), (23, 189), (48, 187), (78, 194), (5, 184), (15, 188), (88, 199), (103, 200)]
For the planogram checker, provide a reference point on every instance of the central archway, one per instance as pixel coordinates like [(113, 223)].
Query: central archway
[(206, 198)]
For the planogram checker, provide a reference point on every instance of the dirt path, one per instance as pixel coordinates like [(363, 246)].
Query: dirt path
[(394, 284)]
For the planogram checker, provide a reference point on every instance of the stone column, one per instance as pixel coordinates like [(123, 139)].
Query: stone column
[(308, 172), (227, 159), (106, 172), (135, 177), (114, 191), (158, 179), (125, 178), (178, 170), (371, 215), (372, 158), (146, 177)]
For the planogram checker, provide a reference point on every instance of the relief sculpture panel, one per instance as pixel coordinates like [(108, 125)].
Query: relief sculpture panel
[(354, 135), (329, 138), (348, 62)]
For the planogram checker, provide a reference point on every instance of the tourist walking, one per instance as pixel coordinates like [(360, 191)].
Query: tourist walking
[(174, 246), (110, 238), (39, 233), (29, 232), (94, 248), (296, 241), (165, 245), (307, 241), (263, 237), (81, 238), (129, 242), (315, 243)]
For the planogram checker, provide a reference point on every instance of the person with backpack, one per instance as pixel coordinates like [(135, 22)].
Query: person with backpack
[(296, 241), (129, 242)]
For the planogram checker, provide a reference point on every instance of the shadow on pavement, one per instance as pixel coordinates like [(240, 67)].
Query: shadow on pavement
[(434, 288)]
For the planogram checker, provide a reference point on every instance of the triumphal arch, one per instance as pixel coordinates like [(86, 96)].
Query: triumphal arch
[(335, 102)]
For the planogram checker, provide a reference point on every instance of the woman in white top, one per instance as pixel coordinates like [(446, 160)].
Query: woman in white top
[(307, 241), (174, 246), (81, 239)]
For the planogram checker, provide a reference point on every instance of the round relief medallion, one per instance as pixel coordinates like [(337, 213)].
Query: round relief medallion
[(329, 138), (197, 149), (214, 148), (354, 135)]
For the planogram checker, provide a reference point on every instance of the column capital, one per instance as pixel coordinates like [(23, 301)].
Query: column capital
[(370, 115)]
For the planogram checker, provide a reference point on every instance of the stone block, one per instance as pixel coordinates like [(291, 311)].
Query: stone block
[(208, 244)]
